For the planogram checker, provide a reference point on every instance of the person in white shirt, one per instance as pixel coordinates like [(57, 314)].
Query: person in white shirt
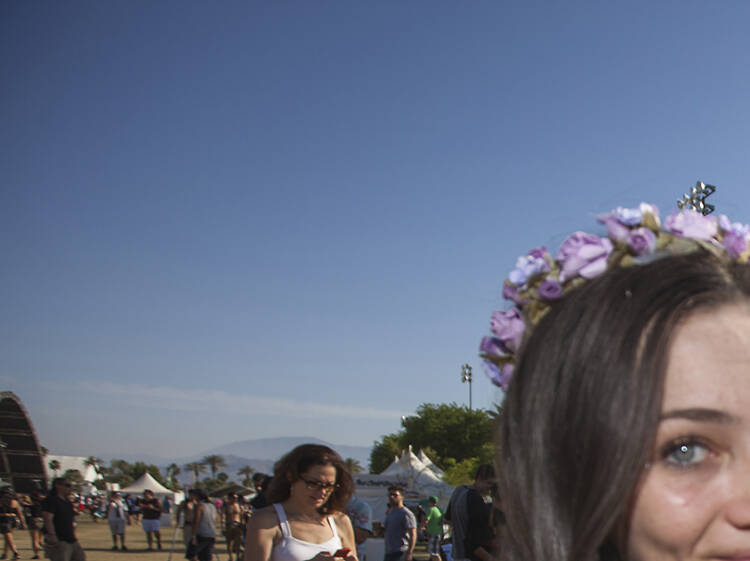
[(117, 516)]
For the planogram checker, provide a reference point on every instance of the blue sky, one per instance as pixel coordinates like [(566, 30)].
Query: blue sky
[(237, 220)]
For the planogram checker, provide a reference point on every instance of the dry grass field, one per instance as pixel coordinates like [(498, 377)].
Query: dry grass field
[(96, 540)]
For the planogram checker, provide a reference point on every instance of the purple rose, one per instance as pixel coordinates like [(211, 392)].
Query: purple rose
[(550, 289), (691, 224), (508, 325), (529, 265), (735, 239), (616, 230), (583, 254), (642, 241), (510, 292), (500, 378), (492, 346), (734, 244)]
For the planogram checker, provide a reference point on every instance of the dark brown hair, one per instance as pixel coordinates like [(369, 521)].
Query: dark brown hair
[(290, 467), (583, 406)]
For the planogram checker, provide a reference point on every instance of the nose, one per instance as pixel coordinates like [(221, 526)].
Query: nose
[(737, 509)]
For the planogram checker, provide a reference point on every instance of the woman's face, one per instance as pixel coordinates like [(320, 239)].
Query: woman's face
[(693, 501), (315, 486)]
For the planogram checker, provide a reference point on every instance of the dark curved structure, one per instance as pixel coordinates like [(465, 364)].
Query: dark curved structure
[(21, 460)]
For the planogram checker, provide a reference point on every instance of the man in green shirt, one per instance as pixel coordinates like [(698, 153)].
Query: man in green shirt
[(434, 526)]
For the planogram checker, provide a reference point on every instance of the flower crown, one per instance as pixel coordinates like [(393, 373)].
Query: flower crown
[(634, 235)]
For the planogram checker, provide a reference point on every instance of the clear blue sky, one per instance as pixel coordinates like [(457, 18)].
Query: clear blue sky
[(237, 220)]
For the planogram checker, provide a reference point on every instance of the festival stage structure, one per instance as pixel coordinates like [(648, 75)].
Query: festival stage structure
[(21, 460)]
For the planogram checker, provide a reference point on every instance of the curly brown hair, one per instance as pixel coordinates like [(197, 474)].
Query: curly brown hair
[(293, 464)]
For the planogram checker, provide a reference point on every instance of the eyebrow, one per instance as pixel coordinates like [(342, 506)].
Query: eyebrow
[(700, 414)]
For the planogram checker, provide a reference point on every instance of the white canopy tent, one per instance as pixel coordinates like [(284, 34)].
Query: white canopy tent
[(419, 482), (147, 483)]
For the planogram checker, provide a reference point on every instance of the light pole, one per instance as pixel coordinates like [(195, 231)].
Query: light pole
[(466, 377)]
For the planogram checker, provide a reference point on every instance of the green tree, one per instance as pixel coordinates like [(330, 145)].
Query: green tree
[(214, 463), (462, 473), (196, 468), (247, 475), (383, 452), (121, 472), (452, 432), (222, 477), (54, 465), (353, 465)]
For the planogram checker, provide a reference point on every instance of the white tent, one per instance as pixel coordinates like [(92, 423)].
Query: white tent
[(418, 480), (428, 462), (147, 483)]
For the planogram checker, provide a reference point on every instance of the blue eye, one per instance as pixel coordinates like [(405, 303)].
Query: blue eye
[(685, 454)]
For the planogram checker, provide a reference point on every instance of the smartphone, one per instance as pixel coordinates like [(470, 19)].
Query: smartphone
[(343, 552)]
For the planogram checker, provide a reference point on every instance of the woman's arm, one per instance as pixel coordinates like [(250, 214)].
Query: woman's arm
[(262, 532), (19, 513), (346, 533)]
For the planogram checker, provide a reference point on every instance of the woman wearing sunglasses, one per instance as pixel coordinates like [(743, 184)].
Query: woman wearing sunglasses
[(309, 491)]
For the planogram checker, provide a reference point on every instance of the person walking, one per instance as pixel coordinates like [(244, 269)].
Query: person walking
[(433, 526), (34, 520), (61, 543), (470, 517), (204, 526), (117, 518), (400, 528), (150, 516), (232, 518), (10, 511)]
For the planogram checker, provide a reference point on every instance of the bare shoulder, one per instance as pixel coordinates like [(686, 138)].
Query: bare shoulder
[(264, 519), (342, 520)]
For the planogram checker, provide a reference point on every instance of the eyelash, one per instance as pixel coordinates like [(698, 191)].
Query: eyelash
[(692, 443)]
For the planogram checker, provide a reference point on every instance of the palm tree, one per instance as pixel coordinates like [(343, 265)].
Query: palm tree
[(246, 473), (54, 465), (214, 463), (353, 465), (197, 468), (172, 471)]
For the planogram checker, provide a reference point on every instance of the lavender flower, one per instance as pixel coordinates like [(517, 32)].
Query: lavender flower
[(529, 265), (642, 241), (735, 239), (691, 224), (500, 378), (550, 289), (629, 216), (616, 229), (492, 346), (508, 325), (583, 254), (510, 292)]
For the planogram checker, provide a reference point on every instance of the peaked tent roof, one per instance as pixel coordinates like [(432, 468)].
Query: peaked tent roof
[(424, 458), (146, 482)]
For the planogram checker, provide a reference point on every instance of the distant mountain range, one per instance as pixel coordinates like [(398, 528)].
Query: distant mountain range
[(260, 454)]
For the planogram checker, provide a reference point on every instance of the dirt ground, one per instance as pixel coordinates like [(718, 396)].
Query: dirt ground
[(97, 542)]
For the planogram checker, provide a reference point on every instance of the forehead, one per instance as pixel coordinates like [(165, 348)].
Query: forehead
[(709, 362), (321, 473)]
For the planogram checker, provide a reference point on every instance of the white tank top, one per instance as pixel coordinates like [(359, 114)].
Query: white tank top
[(292, 549)]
